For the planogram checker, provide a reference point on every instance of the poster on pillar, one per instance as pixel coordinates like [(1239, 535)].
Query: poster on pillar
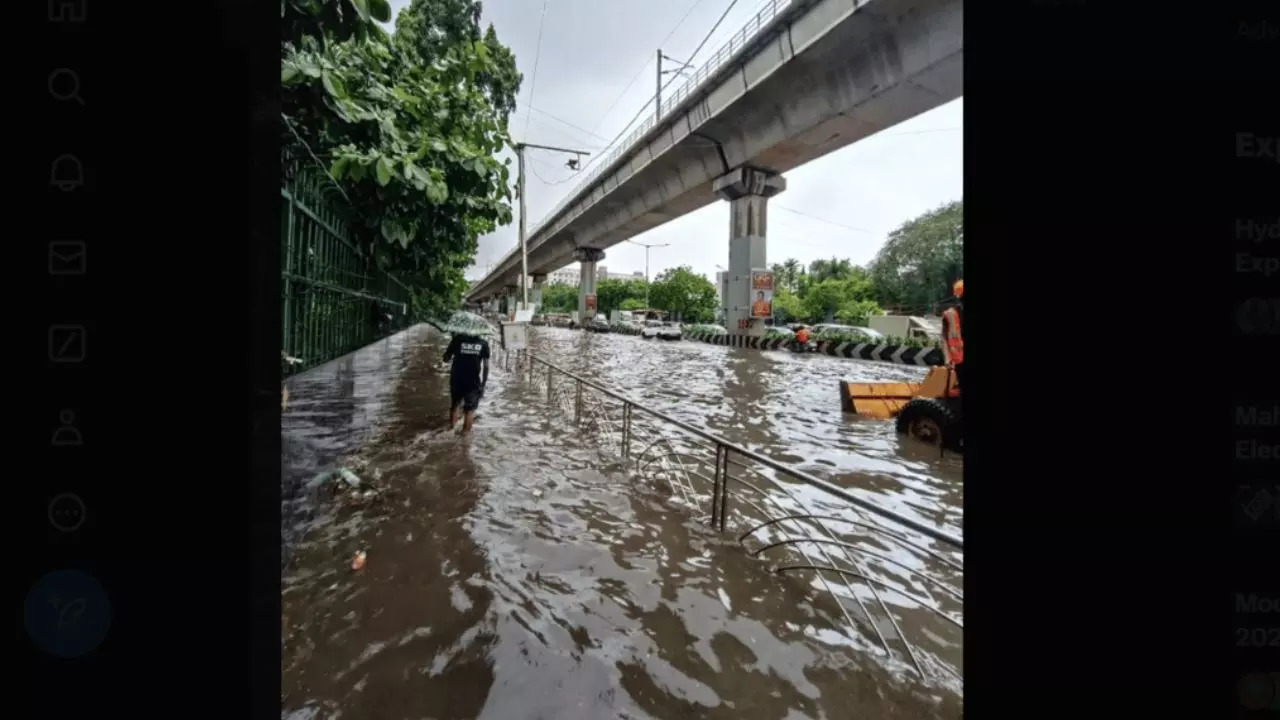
[(761, 294), (591, 303)]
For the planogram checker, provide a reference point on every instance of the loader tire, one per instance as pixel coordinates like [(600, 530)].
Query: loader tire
[(930, 421)]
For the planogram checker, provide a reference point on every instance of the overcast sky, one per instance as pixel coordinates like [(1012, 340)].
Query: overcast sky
[(595, 71)]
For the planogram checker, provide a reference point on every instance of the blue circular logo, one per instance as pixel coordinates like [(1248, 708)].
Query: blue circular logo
[(67, 614)]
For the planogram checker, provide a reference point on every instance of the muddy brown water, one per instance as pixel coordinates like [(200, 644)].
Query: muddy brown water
[(519, 573)]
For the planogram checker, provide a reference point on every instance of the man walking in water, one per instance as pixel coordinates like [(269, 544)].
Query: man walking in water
[(467, 376)]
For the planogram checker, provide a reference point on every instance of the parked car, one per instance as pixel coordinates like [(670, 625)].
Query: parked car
[(598, 324), (670, 331), (863, 333), (651, 329)]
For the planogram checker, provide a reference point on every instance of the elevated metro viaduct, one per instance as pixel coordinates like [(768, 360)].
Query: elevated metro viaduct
[(814, 77)]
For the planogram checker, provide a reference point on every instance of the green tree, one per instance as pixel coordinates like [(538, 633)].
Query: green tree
[(921, 259), (787, 306), (427, 29), (612, 293), (684, 293), (791, 270), (632, 304), (825, 300), (559, 298), (334, 20), (833, 269), (857, 312), (409, 126)]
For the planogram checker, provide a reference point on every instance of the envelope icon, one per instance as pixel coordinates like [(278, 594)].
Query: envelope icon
[(66, 257)]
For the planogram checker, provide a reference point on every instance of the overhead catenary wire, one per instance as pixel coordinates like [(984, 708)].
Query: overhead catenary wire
[(644, 108), (566, 123), (537, 55), (811, 216), (545, 181), (645, 66)]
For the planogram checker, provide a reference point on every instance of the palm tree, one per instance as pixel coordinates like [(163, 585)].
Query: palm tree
[(791, 273)]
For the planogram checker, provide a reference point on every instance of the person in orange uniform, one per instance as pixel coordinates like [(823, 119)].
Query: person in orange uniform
[(953, 334), (802, 337)]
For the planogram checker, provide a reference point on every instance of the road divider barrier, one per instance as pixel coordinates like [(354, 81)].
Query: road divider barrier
[(900, 354)]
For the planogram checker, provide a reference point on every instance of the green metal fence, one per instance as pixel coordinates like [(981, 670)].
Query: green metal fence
[(334, 298)]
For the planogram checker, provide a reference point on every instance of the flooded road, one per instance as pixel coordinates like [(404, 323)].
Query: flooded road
[(521, 574), (783, 405)]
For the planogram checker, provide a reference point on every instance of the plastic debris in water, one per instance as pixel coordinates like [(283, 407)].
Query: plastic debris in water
[(357, 562), (537, 493), (349, 477)]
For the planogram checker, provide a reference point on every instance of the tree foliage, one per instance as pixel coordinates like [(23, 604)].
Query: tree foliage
[(921, 259), (409, 126), (685, 294), (335, 20), (911, 274), (788, 306), (559, 298), (848, 295), (611, 294)]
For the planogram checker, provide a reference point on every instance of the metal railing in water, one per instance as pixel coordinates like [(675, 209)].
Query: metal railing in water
[(880, 566)]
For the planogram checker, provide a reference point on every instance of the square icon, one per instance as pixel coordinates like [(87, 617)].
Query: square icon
[(66, 343), (68, 11), (66, 257)]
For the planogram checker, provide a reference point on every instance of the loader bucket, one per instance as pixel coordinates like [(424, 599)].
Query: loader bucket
[(884, 400)]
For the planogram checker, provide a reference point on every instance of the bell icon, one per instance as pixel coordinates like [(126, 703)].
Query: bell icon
[(67, 173)]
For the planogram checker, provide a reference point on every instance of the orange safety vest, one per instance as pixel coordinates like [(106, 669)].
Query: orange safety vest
[(954, 338)]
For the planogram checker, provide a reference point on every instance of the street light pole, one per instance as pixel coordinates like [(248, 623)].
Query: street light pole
[(520, 185), (646, 268), (524, 250)]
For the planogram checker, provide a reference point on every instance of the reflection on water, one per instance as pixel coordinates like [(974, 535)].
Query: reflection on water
[(518, 574)]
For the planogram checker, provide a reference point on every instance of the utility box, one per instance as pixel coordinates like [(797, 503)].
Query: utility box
[(515, 336)]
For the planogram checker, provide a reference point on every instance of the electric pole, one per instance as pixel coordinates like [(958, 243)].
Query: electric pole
[(646, 269), (657, 88), (520, 184)]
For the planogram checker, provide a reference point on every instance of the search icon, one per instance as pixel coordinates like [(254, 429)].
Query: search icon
[(64, 85)]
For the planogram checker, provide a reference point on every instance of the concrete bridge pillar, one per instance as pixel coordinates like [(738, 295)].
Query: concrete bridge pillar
[(588, 257), (748, 191), (511, 299), (535, 292)]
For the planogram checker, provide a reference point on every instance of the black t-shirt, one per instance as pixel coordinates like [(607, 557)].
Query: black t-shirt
[(466, 351)]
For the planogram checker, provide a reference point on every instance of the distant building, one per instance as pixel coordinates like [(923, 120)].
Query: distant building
[(573, 275), (565, 276)]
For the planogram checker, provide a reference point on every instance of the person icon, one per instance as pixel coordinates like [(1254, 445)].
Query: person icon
[(68, 433)]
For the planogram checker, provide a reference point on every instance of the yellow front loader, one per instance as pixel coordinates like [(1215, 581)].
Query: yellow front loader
[(928, 411)]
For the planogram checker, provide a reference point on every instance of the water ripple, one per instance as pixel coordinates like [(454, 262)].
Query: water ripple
[(520, 573)]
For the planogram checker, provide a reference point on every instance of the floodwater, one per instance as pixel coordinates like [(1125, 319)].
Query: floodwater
[(520, 573), (781, 404)]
